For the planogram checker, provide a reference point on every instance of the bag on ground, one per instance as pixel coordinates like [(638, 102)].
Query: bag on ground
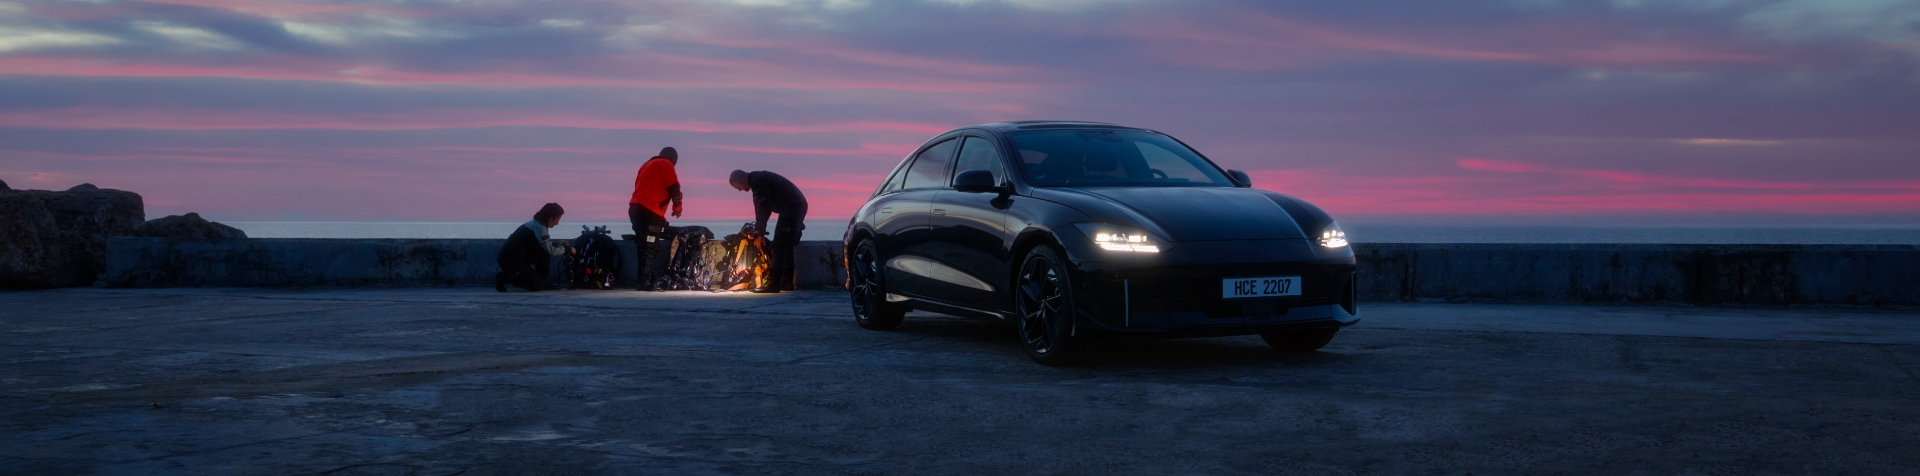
[(746, 262), (683, 259), (594, 260)]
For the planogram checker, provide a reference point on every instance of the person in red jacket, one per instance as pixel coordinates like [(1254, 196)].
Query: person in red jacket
[(656, 186)]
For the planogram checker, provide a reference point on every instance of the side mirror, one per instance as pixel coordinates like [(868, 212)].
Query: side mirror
[(1240, 179), (975, 181)]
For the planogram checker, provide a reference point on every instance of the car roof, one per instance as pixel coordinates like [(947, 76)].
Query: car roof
[(1014, 126)]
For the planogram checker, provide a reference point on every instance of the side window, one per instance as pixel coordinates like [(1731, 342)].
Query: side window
[(893, 182), (929, 169), (978, 154)]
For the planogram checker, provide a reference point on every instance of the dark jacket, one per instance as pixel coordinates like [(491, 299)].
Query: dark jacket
[(523, 248), (773, 194)]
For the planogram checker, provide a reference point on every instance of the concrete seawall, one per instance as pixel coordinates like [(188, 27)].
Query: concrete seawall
[(1872, 275), (1868, 275), (295, 262)]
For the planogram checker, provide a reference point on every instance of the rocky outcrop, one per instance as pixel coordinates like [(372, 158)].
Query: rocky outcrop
[(189, 227), (54, 239)]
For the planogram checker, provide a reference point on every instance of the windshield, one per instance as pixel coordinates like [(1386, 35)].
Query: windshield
[(1133, 158)]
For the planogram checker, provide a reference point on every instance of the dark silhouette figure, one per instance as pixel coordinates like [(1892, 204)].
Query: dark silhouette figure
[(525, 257), (656, 186), (772, 194)]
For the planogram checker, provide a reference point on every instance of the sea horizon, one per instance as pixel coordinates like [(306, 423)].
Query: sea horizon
[(831, 229)]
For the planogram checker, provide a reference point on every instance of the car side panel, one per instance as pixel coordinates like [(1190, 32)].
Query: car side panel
[(900, 225), (973, 242), (1029, 216), (972, 248)]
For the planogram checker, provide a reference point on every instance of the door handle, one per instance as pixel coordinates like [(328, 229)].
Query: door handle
[(886, 209), (939, 213)]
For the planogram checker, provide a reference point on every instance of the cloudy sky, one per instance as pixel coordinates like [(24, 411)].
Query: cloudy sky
[(1547, 111)]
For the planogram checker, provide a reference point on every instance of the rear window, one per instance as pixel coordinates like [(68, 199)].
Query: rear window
[(929, 169), (893, 181), (1134, 158)]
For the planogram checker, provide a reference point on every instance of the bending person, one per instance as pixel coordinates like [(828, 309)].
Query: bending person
[(775, 194), (656, 186), (524, 259)]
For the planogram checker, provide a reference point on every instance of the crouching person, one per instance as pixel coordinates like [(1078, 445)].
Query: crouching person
[(524, 259)]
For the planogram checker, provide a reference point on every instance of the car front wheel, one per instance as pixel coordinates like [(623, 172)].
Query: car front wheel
[(1044, 300), (870, 307)]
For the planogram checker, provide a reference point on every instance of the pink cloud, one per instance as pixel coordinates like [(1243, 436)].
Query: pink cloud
[(863, 90), (610, 72), (1331, 37), (294, 8), (891, 150), (1283, 179), (1255, 42), (860, 184), (1497, 166), (1733, 142), (1641, 180), (1646, 179), (738, 37), (189, 158), (522, 150), (188, 120), (1519, 188)]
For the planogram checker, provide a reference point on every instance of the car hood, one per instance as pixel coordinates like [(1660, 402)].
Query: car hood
[(1188, 213)]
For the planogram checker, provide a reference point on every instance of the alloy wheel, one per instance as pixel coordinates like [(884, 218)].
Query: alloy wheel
[(870, 307), (865, 272), (1041, 301)]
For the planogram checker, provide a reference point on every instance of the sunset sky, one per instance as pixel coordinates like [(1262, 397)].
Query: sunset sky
[(1522, 111)]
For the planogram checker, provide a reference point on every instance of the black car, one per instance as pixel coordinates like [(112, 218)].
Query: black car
[(1074, 229)]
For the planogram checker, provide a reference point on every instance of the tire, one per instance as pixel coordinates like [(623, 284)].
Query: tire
[(868, 289), (1299, 341), (1043, 297)]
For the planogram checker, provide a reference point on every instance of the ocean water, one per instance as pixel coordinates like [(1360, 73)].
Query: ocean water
[(830, 229), (816, 229), (1385, 233)]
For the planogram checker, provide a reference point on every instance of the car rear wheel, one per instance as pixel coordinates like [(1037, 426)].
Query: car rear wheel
[(1043, 298), (870, 307), (1299, 341)]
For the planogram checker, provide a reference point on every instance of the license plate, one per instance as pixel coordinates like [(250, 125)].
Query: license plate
[(1259, 287)]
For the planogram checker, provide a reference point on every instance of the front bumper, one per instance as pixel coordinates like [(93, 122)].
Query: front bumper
[(1184, 300)]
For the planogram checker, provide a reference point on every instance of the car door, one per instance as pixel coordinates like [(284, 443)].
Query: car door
[(904, 219), (973, 239)]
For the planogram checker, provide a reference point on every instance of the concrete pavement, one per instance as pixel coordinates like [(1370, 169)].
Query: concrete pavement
[(468, 381)]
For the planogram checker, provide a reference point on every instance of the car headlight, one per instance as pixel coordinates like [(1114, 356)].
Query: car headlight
[(1332, 236), (1121, 238)]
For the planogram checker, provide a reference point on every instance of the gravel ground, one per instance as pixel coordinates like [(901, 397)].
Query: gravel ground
[(464, 381)]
